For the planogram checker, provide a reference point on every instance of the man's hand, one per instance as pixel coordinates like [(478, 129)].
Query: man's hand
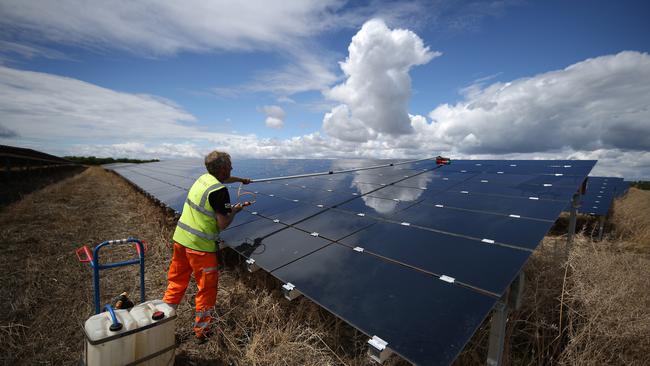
[(233, 179), (236, 208)]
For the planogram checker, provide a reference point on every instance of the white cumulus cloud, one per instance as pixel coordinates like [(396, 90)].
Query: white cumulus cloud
[(274, 116), (376, 92), (594, 104)]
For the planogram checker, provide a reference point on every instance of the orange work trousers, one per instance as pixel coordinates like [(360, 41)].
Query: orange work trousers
[(203, 265)]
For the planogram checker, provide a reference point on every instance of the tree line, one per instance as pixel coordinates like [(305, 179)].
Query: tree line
[(92, 160)]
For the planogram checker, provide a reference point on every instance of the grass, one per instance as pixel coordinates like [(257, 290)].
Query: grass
[(591, 309)]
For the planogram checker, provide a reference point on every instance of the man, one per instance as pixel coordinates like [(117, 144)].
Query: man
[(206, 212)]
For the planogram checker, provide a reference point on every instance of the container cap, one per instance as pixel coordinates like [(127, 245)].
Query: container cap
[(115, 327), (158, 315)]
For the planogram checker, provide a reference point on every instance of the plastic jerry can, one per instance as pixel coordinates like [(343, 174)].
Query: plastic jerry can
[(155, 338), (108, 343)]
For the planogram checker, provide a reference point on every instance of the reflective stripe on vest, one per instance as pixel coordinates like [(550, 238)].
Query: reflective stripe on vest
[(202, 210), (197, 227), (208, 191), (200, 234)]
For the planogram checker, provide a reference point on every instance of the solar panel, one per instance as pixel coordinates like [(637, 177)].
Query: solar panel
[(424, 319), (286, 246), (622, 188), (414, 253), (599, 195), (471, 262)]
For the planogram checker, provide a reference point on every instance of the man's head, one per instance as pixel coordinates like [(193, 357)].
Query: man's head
[(218, 164)]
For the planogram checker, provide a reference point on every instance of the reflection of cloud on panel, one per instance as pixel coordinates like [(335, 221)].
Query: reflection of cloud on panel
[(385, 206), (316, 272), (381, 205)]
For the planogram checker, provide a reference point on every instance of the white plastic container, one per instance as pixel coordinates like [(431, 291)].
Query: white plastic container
[(156, 323), (105, 347)]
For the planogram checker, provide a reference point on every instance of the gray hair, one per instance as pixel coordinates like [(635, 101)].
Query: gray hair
[(216, 160)]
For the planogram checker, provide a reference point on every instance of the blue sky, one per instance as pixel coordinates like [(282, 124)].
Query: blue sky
[(470, 79)]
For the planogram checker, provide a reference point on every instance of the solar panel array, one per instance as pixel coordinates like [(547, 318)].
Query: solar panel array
[(600, 193), (13, 156), (416, 254), (622, 188)]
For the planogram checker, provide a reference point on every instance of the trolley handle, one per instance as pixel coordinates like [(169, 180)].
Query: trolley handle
[(88, 255), (84, 254)]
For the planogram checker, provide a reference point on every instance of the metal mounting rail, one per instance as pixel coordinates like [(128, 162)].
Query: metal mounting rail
[(336, 171)]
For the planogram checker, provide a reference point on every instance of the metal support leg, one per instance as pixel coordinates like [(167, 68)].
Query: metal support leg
[(515, 296), (511, 300), (601, 227), (497, 333), (575, 202)]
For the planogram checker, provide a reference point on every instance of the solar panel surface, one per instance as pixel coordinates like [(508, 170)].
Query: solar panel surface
[(414, 253), (600, 194)]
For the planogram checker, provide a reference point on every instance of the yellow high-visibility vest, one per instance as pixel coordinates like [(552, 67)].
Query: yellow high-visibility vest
[(197, 228)]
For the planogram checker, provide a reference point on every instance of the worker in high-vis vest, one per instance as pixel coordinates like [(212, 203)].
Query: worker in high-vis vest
[(206, 212)]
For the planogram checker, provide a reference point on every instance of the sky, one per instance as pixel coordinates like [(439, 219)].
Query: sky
[(330, 79)]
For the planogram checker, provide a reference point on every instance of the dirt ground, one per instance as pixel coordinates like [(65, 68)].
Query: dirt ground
[(591, 309)]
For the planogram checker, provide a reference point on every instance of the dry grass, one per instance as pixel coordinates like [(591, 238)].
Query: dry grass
[(608, 294), (631, 220), (599, 318), (607, 298), (47, 292)]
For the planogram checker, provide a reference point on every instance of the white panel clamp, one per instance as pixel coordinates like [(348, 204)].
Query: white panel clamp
[(447, 279), (361, 214), (405, 224), (378, 350), (290, 292), (251, 266), (358, 249), (314, 234)]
